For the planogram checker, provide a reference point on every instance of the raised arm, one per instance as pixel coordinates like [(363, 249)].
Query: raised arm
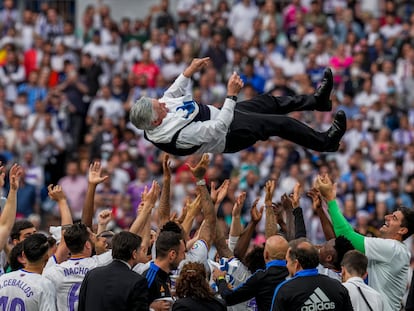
[(56, 194), (236, 226), (181, 85), (290, 219), (94, 178), (217, 196), (300, 229), (245, 237), (208, 230), (104, 218), (193, 208), (271, 225), (164, 204), (340, 224), (149, 198), (8, 215), (327, 227)]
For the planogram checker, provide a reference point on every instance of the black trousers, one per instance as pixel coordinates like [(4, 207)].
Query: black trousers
[(264, 116)]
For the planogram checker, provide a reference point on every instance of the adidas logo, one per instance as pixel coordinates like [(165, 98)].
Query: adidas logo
[(318, 301)]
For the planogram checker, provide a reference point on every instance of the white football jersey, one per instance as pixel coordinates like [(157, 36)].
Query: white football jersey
[(67, 278), (22, 290)]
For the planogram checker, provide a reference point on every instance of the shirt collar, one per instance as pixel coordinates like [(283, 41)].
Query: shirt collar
[(307, 272), (276, 263)]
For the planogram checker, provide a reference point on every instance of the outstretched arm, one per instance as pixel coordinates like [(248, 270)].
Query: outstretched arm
[(245, 237), (236, 226), (271, 225), (94, 178), (56, 194), (217, 196), (300, 229), (140, 225), (164, 205), (327, 227), (8, 215), (181, 85), (192, 210), (340, 224), (208, 230)]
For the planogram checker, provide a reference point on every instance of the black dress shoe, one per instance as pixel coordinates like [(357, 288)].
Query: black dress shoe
[(322, 94), (336, 131)]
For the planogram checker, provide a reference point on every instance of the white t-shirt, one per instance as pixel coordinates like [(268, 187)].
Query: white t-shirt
[(67, 278), (373, 297), (388, 262), (22, 290)]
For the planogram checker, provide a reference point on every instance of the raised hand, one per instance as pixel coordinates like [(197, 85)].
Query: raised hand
[(183, 214), (234, 85), (295, 196), (218, 195), (238, 205), (94, 176), (194, 207), (316, 197), (286, 202), (166, 168), (151, 195), (14, 176), (56, 193), (325, 186), (270, 187), (104, 217), (201, 168), (196, 65), (256, 214)]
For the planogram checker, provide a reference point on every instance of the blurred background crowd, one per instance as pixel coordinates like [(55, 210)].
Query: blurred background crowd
[(66, 89)]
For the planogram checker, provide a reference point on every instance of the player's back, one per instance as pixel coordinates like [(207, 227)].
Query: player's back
[(68, 276), (22, 290)]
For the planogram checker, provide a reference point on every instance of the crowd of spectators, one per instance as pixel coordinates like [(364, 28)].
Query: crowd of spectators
[(66, 91)]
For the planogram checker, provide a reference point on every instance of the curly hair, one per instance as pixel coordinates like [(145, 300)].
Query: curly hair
[(342, 245), (192, 282)]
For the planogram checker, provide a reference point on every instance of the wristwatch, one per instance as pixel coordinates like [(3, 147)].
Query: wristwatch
[(232, 97)]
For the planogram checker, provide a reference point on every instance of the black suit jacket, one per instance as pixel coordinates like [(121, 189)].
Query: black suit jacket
[(113, 287)]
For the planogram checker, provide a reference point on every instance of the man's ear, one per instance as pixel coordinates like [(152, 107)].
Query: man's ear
[(403, 230)]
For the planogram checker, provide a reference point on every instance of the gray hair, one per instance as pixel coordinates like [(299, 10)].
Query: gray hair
[(142, 114)]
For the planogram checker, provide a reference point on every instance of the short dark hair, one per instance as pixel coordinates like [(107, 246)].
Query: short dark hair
[(124, 244), (408, 221), (171, 226), (355, 262), (35, 247), (15, 253), (166, 241), (76, 237), (306, 254), (342, 246), (19, 226)]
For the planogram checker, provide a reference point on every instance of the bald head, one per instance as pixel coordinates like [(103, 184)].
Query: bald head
[(275, 248)]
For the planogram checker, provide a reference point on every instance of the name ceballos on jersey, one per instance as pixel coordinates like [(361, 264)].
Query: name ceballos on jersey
[(20, 284), (318, 301)]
